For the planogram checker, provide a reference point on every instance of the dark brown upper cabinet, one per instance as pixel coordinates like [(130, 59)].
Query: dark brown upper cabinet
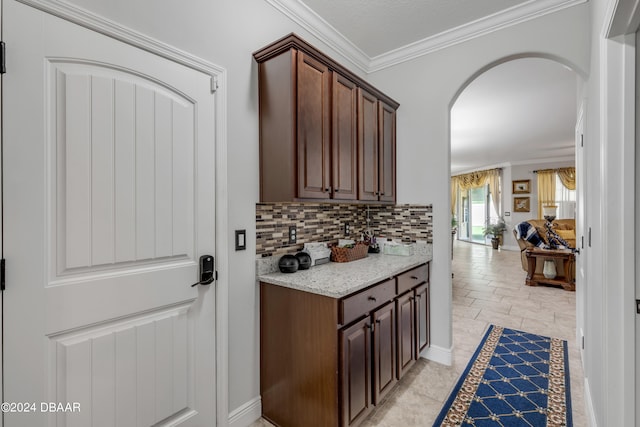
[(310, 129)]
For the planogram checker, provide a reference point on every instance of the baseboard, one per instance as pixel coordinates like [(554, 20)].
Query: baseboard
[(438, 354), (588, 405), (246, 414)]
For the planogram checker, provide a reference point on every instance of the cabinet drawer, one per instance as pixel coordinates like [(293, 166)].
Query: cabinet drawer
[(365, 301), (412, 278)]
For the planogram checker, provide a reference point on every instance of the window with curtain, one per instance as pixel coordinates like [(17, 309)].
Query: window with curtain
[(557, 187), (565, 200)]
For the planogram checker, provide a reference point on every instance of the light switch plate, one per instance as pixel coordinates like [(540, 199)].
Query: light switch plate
[(241, 240)]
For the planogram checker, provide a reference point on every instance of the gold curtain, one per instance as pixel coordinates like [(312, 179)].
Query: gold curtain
[(474, 180), (494, 188), (454, 194), (568, 177), (546, 188)]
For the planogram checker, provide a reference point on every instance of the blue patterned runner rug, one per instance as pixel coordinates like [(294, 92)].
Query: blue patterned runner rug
[(513, 379)]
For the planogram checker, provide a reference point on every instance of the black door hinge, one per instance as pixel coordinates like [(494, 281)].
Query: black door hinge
[(216, 274), (2, 275), (637, 301), (3, 63)]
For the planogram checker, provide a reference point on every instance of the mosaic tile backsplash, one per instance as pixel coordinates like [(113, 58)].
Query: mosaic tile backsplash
[(324, 222)]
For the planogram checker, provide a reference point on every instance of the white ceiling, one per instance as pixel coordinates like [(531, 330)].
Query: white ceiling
[(522, 111), (380, 26)]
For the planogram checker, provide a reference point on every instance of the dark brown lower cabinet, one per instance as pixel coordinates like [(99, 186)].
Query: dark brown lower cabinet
[(355, 369), (406, 332), (328, 361), (422, 318), (384, 351)]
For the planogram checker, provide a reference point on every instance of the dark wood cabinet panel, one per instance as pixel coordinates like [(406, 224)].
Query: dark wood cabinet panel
[(295, 369), (344, 142), (387, 149), (384, 351), (406, 333), (355, 372), (356, 305), (422, 318), (313, 112), (367, 146), (278, 157)]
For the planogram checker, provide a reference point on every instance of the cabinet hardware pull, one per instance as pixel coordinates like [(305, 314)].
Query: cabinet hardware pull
[(372, 299), (414, 277), (328, 189), (418, 297), (381, 194), (336, 190), (378, 321)]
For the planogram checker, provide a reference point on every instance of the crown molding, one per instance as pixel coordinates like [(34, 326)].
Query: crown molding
[(503, 19), (316, 25), (300, 13)]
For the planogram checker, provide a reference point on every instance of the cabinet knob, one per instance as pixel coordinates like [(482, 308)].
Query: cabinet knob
[(328, 189), (372, 299), (381, 194), (336, 190), (418, 297)]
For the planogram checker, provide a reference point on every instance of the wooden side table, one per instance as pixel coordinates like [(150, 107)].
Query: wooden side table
[(567, 281)]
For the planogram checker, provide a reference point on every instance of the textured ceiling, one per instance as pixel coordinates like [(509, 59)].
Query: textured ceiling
[(379, 26)]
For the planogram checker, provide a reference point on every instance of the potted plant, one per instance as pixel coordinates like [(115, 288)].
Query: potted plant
[(495, 230)]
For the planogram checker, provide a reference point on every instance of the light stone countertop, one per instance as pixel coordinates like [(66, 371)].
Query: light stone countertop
[(337, 280)]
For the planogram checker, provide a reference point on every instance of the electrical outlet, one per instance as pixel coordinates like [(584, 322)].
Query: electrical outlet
[(293, 234), (347, 229)]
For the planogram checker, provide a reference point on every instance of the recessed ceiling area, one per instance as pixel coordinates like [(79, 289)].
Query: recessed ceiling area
[(517, 112), (380, 26)]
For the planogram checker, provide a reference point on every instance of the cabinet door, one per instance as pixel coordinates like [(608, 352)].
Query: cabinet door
[(384, 351), (406, 333), (367, 146), (422, 318), (344, 145), (387, 150), (355, 372), (313, 144)]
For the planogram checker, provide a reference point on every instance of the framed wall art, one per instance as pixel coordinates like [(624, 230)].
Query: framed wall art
[(522, 204), (522, 186)]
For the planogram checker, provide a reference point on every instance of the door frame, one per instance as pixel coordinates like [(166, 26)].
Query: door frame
[(218, 75), (619, 216)]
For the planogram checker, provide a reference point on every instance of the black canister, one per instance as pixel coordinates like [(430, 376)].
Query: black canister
[(304, 259), (288, 264)]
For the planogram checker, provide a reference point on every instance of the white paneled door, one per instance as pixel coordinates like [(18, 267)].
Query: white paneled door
[(108, 205)]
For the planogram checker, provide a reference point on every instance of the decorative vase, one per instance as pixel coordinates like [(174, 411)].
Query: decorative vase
[(549, 269)]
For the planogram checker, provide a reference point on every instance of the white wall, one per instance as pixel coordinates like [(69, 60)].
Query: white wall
[(426, 88), (226, 32), (609, 151)]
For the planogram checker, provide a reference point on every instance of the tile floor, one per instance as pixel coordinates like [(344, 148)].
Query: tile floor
[(488, 287)]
